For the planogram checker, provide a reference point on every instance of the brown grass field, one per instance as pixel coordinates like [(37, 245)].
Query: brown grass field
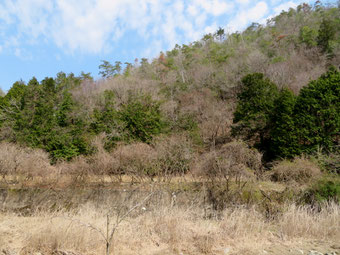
[(172, 230)]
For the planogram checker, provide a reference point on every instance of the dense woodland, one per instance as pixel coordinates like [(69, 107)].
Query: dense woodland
[(248, 99)]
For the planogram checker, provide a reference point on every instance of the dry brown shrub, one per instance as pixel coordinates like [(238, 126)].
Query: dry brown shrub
[(299, 170), (9, 158), (169, 109), (239, 152), (135, 159), (76, 171), (174, 155), (195, 102), (167, 156), (201, 75), (26, 162), (217, 120), (299, 68), (214, 116), (169, 230), (204, 243), (256, 61), (88, 94), (233, 159)]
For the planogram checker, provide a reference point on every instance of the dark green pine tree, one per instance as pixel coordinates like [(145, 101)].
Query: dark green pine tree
[(317, 113), (284, 142), (252, 115)]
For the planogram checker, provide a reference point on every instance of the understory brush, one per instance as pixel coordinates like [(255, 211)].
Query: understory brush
[(300, 170)]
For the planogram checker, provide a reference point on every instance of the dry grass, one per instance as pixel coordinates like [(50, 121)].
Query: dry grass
[(300, 170), (170, 231)]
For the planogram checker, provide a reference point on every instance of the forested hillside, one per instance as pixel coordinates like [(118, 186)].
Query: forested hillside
[(228, 145), (240, 100)]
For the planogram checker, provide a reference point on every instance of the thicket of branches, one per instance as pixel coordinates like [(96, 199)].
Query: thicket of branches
[(256, 79)]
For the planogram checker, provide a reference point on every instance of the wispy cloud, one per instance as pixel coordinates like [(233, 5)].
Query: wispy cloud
[(92, 26), (253, 14)]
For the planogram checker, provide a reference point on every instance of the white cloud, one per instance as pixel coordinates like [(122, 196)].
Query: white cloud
[(192, 10), (210, 29), (284, 7), (93, 26), (244, 2), (253, 14), (17, 53), (278, 9), (214, 7)]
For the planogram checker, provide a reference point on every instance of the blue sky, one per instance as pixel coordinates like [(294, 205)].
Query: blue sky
[(42, 37)]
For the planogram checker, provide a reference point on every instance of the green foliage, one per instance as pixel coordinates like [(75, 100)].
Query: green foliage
[(326, 35), (186, 122), (127, 70), (141, 118), (317, 113), (105, 117), (66, 106), (220, 34), (284, 125), (66, 146), (86, 76), (324, 190), (308, 36), (16, 91), (109, 70), (40, 115), (282, 133), (51, 115), (256, 102)]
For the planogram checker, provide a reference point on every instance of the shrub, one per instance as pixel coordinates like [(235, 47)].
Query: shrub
[(66, 146), (141, 117), (27, 162), (308, 36), (324, 190), (239, 153), (174, 155), (329, 190), (135, 159), (331, 163), (166, 156), (234, 159), (299, 170)]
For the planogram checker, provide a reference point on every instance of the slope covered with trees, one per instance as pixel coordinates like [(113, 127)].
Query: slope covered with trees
[(275, 86)]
